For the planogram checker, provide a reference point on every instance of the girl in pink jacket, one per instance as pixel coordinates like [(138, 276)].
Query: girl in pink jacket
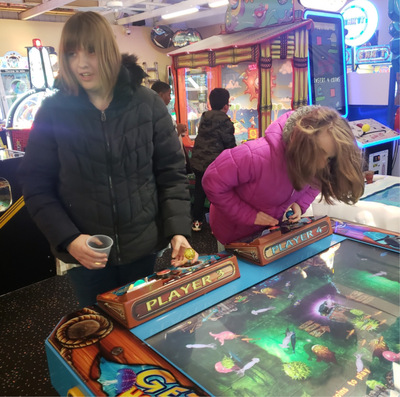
[(305, 152)]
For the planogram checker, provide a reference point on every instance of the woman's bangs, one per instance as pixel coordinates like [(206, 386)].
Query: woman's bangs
[(82, 36)]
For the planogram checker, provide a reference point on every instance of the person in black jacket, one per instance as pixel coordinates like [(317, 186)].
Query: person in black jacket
[(164, 91), (215, 134), (103, 158)]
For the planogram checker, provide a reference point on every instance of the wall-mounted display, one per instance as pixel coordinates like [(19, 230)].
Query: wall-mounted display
[(327, 71)]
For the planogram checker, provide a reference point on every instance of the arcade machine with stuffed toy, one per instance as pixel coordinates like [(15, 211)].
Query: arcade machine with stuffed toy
[(261, 59)]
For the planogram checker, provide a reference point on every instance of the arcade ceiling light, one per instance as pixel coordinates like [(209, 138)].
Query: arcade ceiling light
[(218, 3), (180, 13), (323, 5)]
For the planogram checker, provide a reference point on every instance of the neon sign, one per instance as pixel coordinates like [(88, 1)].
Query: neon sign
[(360, 21)]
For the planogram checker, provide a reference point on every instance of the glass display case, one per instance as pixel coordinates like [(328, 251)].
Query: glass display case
[(14, 80)]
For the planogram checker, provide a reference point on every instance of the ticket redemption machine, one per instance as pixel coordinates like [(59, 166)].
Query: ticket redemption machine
[(328, 83), (22, 113)]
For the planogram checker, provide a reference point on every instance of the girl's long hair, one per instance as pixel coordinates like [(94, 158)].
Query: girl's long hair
[(91, 32), (342, 178)]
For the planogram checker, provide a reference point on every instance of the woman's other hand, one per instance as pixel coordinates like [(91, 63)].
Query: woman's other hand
[(84, 255)]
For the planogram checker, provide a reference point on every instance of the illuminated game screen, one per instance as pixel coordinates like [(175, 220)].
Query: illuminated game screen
[(328, 326), (327, 68)]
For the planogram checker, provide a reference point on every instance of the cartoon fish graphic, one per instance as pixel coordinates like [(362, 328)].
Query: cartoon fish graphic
[(223, 336), (359, 362), (250, 364), (265, 309), (287, 339), (350, 333), (391, 356)]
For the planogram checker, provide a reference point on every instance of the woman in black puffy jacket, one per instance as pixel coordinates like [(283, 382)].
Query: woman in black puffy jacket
[(103, 158)]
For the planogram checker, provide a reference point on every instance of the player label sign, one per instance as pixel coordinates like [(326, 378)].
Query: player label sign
[(180, 291), (294, 242), (142, 300), (287, 238)]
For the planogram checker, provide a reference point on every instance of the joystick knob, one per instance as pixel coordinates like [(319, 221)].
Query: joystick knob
[(289, 213)]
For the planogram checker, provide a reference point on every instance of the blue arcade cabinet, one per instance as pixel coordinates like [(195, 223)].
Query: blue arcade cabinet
[(333, 81)]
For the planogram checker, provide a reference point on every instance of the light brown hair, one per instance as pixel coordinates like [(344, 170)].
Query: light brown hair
[(342, 178), (91, 32)]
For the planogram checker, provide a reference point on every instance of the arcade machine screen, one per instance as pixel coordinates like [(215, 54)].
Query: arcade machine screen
[(327, 326), (241, 81), (327, 66)]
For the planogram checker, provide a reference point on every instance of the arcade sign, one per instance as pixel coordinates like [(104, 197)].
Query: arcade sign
[(360, 21)]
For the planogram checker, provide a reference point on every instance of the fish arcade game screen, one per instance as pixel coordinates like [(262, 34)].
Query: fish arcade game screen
[(328, 326)]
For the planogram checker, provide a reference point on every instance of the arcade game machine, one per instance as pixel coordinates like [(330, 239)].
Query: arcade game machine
[(328, 58), (313, 313), (371, 86), (261, 60), (21, 242), (328, 86), (22, 113), (14, 81), (25, 253)]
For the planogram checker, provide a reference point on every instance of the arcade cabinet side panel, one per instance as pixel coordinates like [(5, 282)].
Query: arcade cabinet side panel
[(90, 354), (22, 244), (63, 378), (368, 234)]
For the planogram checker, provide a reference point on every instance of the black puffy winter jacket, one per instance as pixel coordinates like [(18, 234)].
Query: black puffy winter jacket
[(120, 172), (216, 133)]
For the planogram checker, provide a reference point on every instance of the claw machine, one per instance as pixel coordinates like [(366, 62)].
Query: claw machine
[(261, 61)]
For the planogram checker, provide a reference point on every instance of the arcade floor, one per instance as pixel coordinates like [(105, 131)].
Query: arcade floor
[(27, 317)]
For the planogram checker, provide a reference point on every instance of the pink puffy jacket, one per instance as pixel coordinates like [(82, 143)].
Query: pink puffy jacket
[(250, 178)]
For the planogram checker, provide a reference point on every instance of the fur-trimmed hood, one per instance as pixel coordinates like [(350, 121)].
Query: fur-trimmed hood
[(136, 73)]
